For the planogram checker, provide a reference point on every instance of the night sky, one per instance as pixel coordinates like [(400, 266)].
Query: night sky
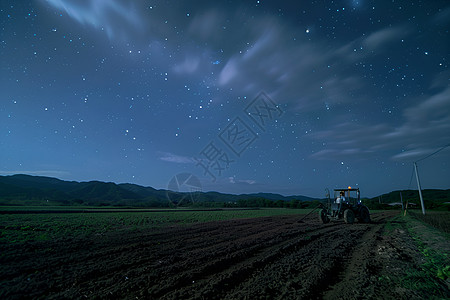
[(288, 97)]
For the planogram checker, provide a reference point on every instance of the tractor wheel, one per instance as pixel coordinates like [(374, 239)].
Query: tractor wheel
[(323, 217), (364, 215), (349, 216)]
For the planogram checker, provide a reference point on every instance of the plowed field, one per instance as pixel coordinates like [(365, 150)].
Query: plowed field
[(258, 258)]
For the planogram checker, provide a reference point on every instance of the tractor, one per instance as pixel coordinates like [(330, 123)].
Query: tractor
[(346, 204)]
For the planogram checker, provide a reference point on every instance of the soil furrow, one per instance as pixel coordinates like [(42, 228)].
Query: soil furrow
[(273, 257)]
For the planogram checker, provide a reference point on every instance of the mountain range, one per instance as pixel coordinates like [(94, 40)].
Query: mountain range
[(38, 190)]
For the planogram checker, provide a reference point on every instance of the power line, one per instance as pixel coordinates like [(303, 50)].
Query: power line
[(433, 153), (412, 174), (413, 169), (417, 175)]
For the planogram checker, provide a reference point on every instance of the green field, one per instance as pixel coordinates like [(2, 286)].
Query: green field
[(437, 219), (431, 235), (19, 228)]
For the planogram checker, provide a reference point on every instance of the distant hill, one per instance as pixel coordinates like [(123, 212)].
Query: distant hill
[(433, 199), (38, 190)]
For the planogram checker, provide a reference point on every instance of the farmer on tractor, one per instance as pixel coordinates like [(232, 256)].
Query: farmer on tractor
[(341, 198)]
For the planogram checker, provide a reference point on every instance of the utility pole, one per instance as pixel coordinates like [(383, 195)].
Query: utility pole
[(420, 190), (401, 200)]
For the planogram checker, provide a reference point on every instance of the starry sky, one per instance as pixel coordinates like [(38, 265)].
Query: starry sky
[(288, 97)]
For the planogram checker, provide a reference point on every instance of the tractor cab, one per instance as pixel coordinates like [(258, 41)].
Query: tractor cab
[(344, 198), (345, 204)]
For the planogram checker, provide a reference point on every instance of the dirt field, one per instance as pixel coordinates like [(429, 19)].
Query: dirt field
[(259, 258)]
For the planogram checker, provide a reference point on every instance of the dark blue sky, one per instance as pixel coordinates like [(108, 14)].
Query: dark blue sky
[(249, 96)]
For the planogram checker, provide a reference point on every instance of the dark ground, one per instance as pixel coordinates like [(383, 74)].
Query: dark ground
[(259, 258)]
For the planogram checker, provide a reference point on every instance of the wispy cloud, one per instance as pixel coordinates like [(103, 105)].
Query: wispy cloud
[(382, 38), (188, 66), (426, 125), (301, 73), (442, 17), (411, 155), (233, 180), (118, 18), (174, 158), (422, 128)]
